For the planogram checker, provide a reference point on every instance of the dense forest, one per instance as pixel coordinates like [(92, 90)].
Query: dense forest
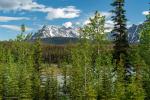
[(93, 69)]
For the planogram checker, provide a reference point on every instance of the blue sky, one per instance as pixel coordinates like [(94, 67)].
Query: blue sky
[(35, 13)]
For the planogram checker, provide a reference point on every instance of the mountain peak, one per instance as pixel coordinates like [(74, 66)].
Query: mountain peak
[(48, 31)]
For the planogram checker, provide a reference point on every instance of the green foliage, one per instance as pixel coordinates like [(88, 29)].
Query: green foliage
[(95, 29), (145, 41), (51, 88), (37, 55), (144, 49), (88, 71), (90, 77), (121, 46), (103, 73)]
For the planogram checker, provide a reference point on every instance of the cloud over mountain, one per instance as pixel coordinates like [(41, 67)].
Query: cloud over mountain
[(67, 24)]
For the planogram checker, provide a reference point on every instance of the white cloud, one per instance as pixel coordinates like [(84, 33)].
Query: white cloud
[(30, 5), (86, 22), (67, 24), (19, 5), (68, 12), (109, 25), (145, 12), (6, 18), (106, 14), (14, 27)]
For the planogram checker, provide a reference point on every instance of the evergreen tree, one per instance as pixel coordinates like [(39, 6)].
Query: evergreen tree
[(103, 75), (37, 55), (24, 70), (121, 46), (127, 86), (10, 85), (36, 74)]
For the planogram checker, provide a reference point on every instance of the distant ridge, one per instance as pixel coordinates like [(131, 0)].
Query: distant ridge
[(60, 35)]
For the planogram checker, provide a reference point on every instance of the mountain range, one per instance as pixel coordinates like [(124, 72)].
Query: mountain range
[(61, 35), (50, 31)]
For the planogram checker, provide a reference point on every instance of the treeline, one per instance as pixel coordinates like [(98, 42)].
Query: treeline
[(51, 54), (57, 53)]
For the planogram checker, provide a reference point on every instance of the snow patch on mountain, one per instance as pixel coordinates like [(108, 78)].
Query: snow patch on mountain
[(133, 33), (48, 31)]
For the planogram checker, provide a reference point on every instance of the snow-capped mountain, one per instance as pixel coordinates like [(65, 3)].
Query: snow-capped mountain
[(54, 33), (49, 31), (133, 33)]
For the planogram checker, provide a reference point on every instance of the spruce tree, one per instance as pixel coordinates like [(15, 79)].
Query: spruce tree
[(121, 57), (24, 74), (121, 45), (103, 75), (10, 85), (36, 74), (37, 55)]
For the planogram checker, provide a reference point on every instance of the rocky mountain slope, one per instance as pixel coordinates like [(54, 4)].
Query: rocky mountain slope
[(58, 34), (48, 31)]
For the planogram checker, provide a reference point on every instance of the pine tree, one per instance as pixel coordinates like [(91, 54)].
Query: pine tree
[(10, 85), (36, 74), (103, 75), (37, 55), (121, 45), (24, 83), (24, 70)]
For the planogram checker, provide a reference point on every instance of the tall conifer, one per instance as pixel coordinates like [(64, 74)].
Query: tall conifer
[(121, 45)]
